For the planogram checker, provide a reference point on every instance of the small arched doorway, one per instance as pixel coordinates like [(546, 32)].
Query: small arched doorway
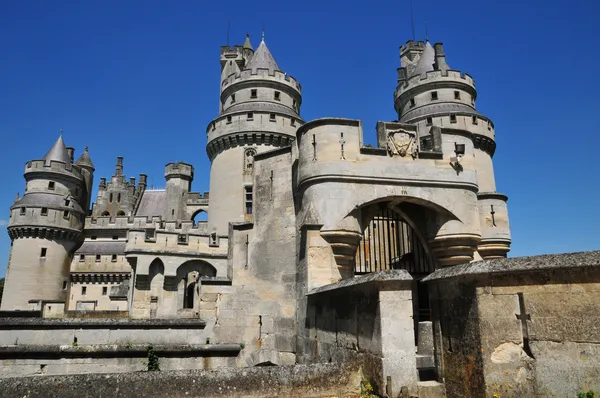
[(189, 276)]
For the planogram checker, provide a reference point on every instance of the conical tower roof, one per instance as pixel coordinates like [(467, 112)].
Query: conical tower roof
[(58, 153), (262, 59), (247, 44), (85, 160), (426, 61)]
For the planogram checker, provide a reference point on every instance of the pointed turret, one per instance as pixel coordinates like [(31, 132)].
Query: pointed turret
[(247, 45), (85, 160), (426, 61), (58, 153), (262, 59)]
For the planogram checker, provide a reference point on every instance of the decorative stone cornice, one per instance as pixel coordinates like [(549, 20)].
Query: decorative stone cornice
[(222, 143), (43, 233), (484, 143), (99, 277)]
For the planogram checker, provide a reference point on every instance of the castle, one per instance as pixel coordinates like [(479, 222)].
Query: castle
[(317, 247)]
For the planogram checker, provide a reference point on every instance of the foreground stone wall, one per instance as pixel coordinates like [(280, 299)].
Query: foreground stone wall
[(367, 319), (519, 327), (322, 380)]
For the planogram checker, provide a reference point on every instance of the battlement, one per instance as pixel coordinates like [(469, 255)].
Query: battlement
[(231, 52), (434, 77), (179, 170), (197, 197), (262, 74), (410, 45), (120, 222), (40, 166)]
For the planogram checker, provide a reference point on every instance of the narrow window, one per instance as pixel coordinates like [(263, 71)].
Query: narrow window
[(113, 258), (253, 93), (97, 258), (434, 95), (277, 95), (23, 210), (81, 258), (293, 122), (489, 125), (43, 252), (51, 185), (214, 126), (66, 214), (104, 290), (412, 102), (228, 119), (272, 117), (457, 95), (250, 115), (248, 199), (44, 211), (64, 285), (294, 104), (232, 98), (429, 121), (83, 290), (230, 63), (474, 119), (172, 212), (119, 198), (453, 118), (472, 100), (67, 202)]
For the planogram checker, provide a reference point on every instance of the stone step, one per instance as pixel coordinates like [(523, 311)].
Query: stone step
[(431, 389)]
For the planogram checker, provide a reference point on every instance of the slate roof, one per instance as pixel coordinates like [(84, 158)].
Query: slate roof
[(153, 204), (85, 160), (58, 153), (262, 59), (426, 61), (102, 247), (43, 199)]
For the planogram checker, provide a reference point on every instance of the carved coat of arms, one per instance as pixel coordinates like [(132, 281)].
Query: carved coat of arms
[(401, 143)]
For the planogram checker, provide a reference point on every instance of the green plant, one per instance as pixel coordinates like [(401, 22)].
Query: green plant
[(588, 394), (366, 389), (242, 346), (153, 365)]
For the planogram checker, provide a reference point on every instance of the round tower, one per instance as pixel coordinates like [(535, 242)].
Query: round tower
[(45, 227), (259, 111), (179, 177), (430, 94)]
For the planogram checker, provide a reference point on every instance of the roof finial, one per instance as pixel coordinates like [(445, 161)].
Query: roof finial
[(412, 21), (61, 132), (86, 148), (426, 33), (263, 32)]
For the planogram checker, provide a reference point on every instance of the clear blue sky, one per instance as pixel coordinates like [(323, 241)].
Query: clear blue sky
[(140, 79)]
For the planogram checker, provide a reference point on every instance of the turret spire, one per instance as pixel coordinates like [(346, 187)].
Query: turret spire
[(58, 152), (262, 59)]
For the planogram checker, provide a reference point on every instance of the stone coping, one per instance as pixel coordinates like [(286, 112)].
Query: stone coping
[(99, 323), (519, 264), (115, 350), (375, 277)]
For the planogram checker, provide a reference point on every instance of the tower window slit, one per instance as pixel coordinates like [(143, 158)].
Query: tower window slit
[(434, 95), (248, 199), (253, 93), (43, 252), (51, 185), (457, 95)]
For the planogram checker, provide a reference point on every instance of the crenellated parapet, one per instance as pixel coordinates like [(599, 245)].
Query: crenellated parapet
[(261, 76), (179, 170), (34, 167)]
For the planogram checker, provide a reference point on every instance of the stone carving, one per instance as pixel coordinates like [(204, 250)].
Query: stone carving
[(401, 143)]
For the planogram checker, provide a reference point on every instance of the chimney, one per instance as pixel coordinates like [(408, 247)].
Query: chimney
[(143, 181), (119, 168), (71, 152), (440, 58)]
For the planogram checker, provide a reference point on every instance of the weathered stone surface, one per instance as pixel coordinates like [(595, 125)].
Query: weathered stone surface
[(319, 380)]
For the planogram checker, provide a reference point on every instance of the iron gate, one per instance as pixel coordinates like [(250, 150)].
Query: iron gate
[(389, 242)]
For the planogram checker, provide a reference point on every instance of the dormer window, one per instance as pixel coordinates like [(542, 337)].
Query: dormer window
[(434, 95), (67, 202), (51, 185), (253, 93), (277, 96)]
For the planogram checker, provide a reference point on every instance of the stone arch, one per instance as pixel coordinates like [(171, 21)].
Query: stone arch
[(105, 214), (200, 215), (188, 278), (121, 213), (156, 278)]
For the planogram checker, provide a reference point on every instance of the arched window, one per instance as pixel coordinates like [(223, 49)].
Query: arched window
[(105, 214), (110, 198), (121, 213)]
